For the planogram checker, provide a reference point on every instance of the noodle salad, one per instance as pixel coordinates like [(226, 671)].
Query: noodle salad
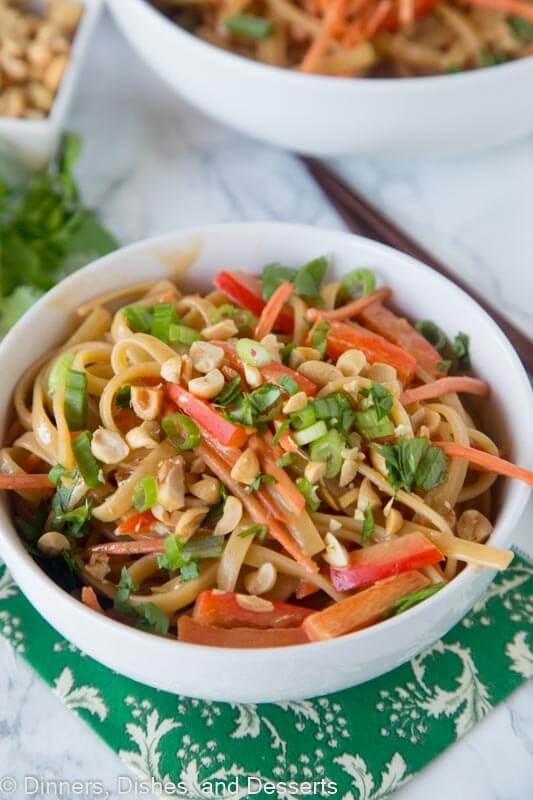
[(280, 461), (366, 38)]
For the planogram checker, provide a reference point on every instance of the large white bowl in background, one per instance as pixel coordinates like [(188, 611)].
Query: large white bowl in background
[(33, 141), (329, 116), (306, 670)]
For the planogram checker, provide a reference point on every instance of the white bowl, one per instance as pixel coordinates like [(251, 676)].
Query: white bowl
[(329, 116), (305, 670), (33, 141)]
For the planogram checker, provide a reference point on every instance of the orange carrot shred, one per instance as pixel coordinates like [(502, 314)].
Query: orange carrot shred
[(487, 461), (21, 480), (272, 309), (429, 391), (350, 310)]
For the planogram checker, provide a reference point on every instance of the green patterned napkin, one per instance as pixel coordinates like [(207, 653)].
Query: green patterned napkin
[(359, 744)]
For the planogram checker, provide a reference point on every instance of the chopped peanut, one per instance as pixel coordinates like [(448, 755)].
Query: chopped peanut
[(146, 402), (108, 446), (208, 386), (262, 580), (222, 330), (246, 468)]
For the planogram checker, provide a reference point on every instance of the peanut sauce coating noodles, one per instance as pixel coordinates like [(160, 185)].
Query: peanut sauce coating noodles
[(363, 38), (281, 461)]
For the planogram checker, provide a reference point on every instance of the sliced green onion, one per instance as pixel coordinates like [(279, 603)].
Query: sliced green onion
[(203, 547), (359, 283), (250, 26), (319, 337), (182, 431), (255, 530), (435, 335), (371, 427), (328, 448), (253, 353), (280, 431), (90, 469), (164, 317), (309, 492), (331, 406), (145, 494), (285, 460), (409, 600), (368, 525), (182, 334), (240, 316), (139, 318), (289, 384), (58, 373), (311, 433), (304, 418), (75, 399)]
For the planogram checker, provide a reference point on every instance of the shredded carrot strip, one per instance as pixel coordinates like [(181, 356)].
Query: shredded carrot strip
[(444, 386), (254, 508), (350, 309), (285, 487), (329, 23), (20, 480), (487, 461), (272, 309), (229, 456), (406, 12), (89, 598), (517, 7), (287, 443), (378, 15), (306, 589)]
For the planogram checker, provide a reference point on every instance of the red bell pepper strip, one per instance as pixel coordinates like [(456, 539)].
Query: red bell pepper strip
[(273, 371), (205, 416), (371, 564), (196, 633), (232, 610), (245, 291), (342, 337), (363, 608), (137, 523), (401, 333)]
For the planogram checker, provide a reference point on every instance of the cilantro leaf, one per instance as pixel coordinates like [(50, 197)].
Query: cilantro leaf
[(229, 394), (309, 277), (125, 587), (409, 600), (274, 275), (259, 531), (413, 462), (380, 398), (256, 484), (153, 619)]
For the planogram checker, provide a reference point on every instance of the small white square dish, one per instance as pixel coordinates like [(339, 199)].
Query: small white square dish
[(32, 141)]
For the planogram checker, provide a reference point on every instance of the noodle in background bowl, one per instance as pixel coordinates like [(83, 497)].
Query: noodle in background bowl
[(296, 672), (327, 116)]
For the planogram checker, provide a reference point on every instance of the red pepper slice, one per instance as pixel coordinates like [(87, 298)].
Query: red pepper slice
[(397, 330), (135, 523), (197, 633), (371, 564), (206, 417), (342, 337), (230, 610), (245, 291), (275, 369)]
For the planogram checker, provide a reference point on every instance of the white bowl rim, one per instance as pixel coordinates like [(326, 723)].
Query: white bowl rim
[(481, 75), (168, 646)]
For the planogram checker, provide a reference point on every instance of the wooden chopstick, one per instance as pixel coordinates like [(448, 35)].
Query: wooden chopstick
[(362, 218)]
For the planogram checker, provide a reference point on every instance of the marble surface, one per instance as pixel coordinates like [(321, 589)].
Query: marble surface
[(152, 164)]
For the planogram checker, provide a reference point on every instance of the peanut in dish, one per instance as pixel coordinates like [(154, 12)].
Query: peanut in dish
[(34, 52)]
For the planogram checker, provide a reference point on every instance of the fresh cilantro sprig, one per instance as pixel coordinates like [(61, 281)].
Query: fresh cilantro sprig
[(46, 233), (414, 462)]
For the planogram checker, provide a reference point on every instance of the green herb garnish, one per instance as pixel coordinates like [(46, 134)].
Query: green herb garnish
[(359, 283), (435, 335), (89, 467), (259, 531), (145, 494), (414, 462), (461, 348), (123, 397), (46, 232), (229, 394), (249, 26), (289, 384), (380, 398), (309, 491), (256, 484), (139, 318), (76, 399), (409, 600)]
